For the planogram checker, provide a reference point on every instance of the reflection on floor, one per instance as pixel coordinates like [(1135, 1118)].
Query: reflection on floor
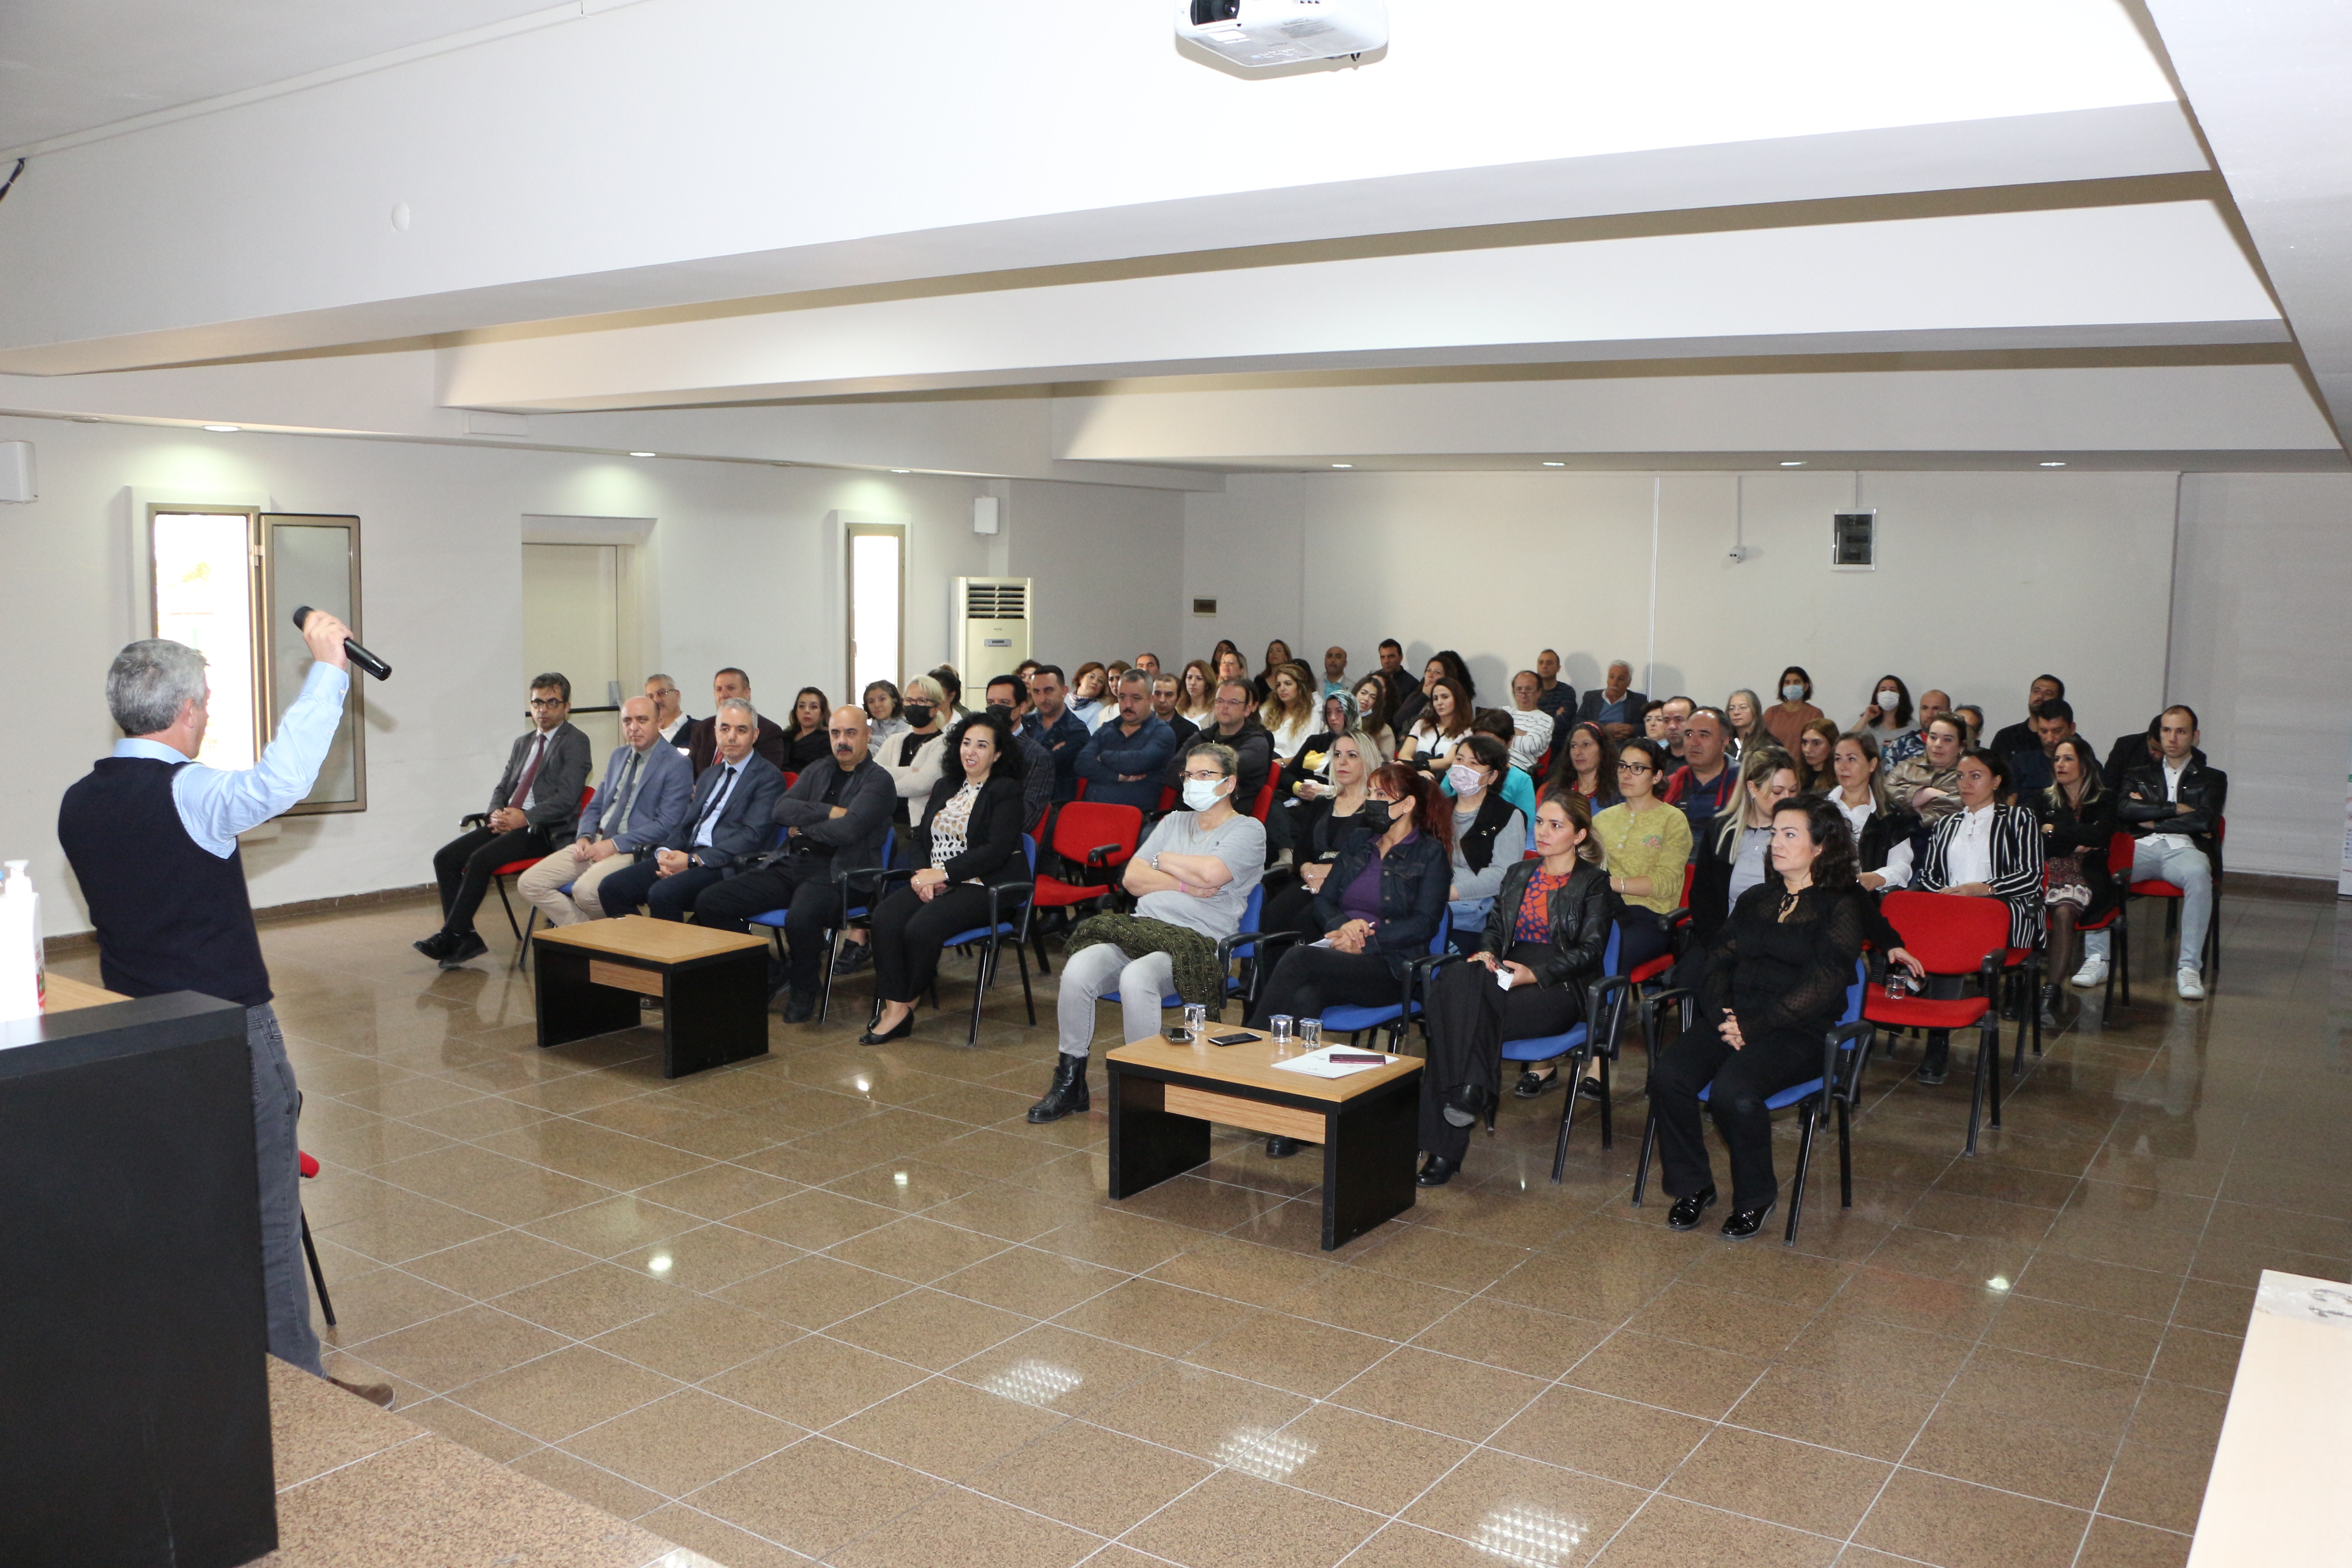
[(845, 1303)]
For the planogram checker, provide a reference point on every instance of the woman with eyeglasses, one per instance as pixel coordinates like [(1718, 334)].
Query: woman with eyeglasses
[(1744, 710), (1984, 850), (1525, 977)]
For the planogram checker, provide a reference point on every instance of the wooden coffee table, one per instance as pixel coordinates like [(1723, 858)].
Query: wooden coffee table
[(1163, 1097), (712, 985)]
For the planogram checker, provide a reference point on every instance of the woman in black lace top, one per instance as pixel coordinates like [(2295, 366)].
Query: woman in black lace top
[(1777, 978)]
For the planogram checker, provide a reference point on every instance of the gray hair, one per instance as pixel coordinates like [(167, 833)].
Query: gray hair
[(149, 682), (666, 683), (1135, 672), (1228, 761), (923, 689), (741, 705)]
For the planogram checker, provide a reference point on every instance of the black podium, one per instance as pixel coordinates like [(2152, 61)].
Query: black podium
[(134, 1403)]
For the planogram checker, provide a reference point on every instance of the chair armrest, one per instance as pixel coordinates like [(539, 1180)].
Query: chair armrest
[(997, 894), (1846, 1084), (475, 819), (903, 874), (1101, 855), (1240, 939), (1418, 970)]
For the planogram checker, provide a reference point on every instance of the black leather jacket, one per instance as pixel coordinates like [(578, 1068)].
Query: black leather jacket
[(1415, 877), (1581, 915), (2142, 807)]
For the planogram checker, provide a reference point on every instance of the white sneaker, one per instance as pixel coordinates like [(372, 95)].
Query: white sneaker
[(2191, 984), (2093, 973)]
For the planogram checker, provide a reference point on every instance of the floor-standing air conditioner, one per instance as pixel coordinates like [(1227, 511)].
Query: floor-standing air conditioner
[(990, 630)]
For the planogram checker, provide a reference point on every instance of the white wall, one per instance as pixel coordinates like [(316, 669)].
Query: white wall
[(743, 570), (2259, 649)]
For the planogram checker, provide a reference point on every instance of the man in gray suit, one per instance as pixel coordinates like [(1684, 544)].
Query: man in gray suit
[(532, 811), (645, 785), (728, 816)]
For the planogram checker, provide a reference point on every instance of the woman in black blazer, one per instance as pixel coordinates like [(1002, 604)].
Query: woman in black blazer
[(969, 840), (2078, 823)]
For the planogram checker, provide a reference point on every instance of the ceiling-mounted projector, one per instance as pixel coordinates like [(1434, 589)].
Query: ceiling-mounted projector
[(1257, 34)]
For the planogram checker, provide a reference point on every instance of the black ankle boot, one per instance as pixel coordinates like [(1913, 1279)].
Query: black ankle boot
[(1069, 1093)]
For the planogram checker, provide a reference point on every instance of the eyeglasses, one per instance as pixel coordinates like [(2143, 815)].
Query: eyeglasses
[(549, 702), (1635, 768), (1205, 778)]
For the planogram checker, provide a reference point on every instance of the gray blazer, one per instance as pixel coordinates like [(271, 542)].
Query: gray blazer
[(745, 825), (868, 799), (664, 780), (555, 792)]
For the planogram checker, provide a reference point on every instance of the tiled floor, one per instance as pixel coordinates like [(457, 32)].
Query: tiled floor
[(845, 1303)]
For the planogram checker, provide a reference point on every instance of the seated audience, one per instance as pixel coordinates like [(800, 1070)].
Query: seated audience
[(1517, 789), (1706, 778), (1335, 671), (1236, 724), (951, 684), (1111, 672), (916, 756), (2030, 771), (968, 840), (1090, 701), (1882, 831), (1429, 742), (1786, 720), (1815, 741), (533, 808), (1288, 712), (728, 816), (1653, 721), (1052, 726), (1400, 681), (702, 740), (1277, 654), (1616, 707), (2078, 823), (1229, 666), (1148, 663), (1887, 718), (1933, 704), (1380, 908), (645, 785), (1927, 785), (1488, 834), (669, 718), (2174, 803), (1196, 698), (883, 711), (1217, 654), (1645, 844), (1556, 697), (2021, 736), (1973, 717), (1586, 765), (1776, 983), (1307, 773), (1678, 713), (1547, 929), (1744, 710), (1005, 694), (834, 816), (1123, 761), (1167, 700), (806, 741), (1372, 715), (1531, 726), (1984, 850), (1409, 710), (1314, 823), (1192, 878), (1731, 855), (2130, 751)]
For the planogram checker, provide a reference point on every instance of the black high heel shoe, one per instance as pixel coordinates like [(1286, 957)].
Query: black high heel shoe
[(906, 1026)]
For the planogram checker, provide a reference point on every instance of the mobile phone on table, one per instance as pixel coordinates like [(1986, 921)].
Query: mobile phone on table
[(1352, 1057), (1242, 1039)]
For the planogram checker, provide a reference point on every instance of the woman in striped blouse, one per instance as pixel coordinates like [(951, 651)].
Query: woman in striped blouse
[(1985, 849)]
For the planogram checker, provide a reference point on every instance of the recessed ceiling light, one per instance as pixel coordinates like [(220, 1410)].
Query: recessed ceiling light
[(902, 470), (1793, 463), (1343, 465), (225, 429), (2053, 464), (1552, 465), (644, 454)]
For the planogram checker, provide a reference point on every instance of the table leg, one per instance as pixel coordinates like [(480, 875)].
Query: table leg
[(571, 1006), (1367, 1160), (714, 1013), (1147, 1144)]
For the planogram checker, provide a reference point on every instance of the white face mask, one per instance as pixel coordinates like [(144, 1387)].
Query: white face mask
[(1202, 794), (1888, 701), (1464, 779), (1792, 692)]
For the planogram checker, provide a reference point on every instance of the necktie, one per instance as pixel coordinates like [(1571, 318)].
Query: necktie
[(718, 799), (522, 786), (628, 795)]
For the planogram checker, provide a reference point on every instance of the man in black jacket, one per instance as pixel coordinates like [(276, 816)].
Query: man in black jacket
[(2022, 735), (2174, 803), (835, 816), (534, 807), (1236, 726)]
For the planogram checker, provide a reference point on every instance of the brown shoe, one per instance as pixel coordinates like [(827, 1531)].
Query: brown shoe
[(378, 1394)]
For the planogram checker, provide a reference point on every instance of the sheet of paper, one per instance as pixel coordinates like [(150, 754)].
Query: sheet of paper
[(1318, 1064)]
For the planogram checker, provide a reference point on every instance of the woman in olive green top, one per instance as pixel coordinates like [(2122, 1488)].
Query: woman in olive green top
[(1645, 844)]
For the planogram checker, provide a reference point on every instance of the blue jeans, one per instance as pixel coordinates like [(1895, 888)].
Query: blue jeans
[(285, 1281)]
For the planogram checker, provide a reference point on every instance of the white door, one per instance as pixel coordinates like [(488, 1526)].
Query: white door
[(571, 626)]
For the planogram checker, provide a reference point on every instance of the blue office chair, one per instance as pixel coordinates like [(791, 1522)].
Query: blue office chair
[(1007, 901), (1845, 1051), (1606, 1000), (845, 884), (1396, 1016), (1242, 945)]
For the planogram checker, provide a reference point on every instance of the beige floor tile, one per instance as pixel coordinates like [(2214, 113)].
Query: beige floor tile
[(1385, 1304), (1606, 1290), (917, 1250), (945, 1427), (1521, 1339), (1639, 1445), (710, 1258), (380, 1301), (1090, 1476), (1795, 1484), (460, 1347), (1961, 1525), (1410, 1546), (562, 1394), (1236, 1521), (1240, 1272), (1192, 1200), (597, 1488), (2090, 1400), (816, 1495), (470, 1428), (587, 1301), (930, 1329), (1117, 1239), (1369, 1462), (1290, 1353), (2118, 1543), (718, 1541), (1881, 1353), (501, 1261), (1774, 1273), (1014, 1213), (1521, 1511), (483, 1182), (613, 1225), (814, 1381), (1679, 1377), (1057, 1369), (697, 1338), (1720, 1319), (813, 1219), (2108, 1340), (682, 1441), (2198, 1359), (1205, 1414), (718, 1192), (2156, 1486), (1037, 1284), (1443, 1258), (2099, 1287), (1462, 1399), (388, 1223), (1669, 1531), (1857, 1414), (1970, 1443), (813, 1292), (908, 1185), (986, 1534), (2170, 1415)]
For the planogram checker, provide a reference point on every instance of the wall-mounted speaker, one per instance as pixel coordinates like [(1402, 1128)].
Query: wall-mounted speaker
[(17, 482)]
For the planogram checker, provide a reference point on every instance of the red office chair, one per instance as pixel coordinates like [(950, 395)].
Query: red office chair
[(517, 867), (1264, 801), (1084, 832), (1652, 969), (2120, 849), (1953, 938), (2154, 887), (309, 1170)]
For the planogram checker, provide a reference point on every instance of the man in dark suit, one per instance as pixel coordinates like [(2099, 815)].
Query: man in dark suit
[(1616, 707), (702, 735), (533, 809), (728, 816), (836, 815), (1402, 682)]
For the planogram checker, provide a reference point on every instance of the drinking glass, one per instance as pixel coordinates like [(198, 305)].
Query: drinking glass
[(1196, 1022), (1310, 1033), (1281, 1022)]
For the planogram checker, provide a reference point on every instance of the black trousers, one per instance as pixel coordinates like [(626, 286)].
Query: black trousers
[(464, 865), (1311, 979), (803, 887), (664, 898), (1469, 1018), (1642, 935), (1292, 908), (1738, 1083), (909, 935)]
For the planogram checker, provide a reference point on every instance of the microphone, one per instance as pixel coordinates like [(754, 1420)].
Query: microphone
[(357, 654)]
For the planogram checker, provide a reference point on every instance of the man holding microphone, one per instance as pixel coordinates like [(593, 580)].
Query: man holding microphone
[(152, 836)]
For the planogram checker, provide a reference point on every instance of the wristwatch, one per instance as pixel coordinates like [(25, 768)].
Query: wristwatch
[(1155, 862)]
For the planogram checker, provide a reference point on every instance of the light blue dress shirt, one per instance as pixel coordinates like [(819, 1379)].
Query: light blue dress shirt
[(216, 806)]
